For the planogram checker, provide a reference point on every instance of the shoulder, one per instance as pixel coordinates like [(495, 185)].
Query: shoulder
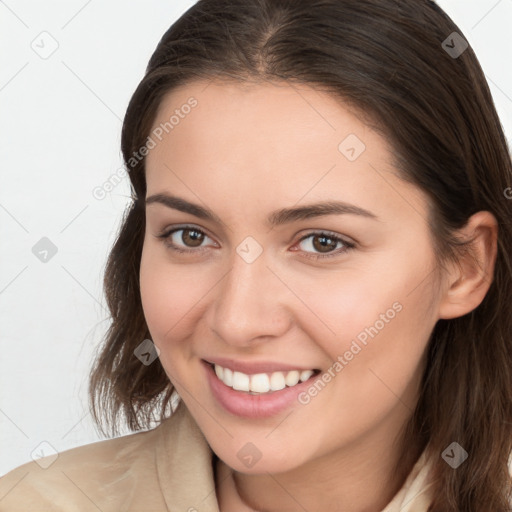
[(100, 475)]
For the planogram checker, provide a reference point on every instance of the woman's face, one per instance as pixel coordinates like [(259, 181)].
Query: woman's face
[(279, 275)]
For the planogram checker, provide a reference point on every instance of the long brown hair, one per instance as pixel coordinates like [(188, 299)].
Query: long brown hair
[(390, 60)]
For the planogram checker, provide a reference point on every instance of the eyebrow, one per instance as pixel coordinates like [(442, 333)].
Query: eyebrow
[(276, 218)]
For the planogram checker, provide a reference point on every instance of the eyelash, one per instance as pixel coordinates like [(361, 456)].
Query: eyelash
[(165, 236)]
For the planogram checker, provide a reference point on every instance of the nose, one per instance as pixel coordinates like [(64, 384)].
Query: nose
[(250, 304)]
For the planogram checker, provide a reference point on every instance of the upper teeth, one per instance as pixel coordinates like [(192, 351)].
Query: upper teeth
[(261, 382)]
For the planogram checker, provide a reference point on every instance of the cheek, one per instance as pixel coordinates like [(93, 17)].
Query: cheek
[(381, 338), (172, 298), (379, 313), (386, 288), (340, 307), (167, 295)]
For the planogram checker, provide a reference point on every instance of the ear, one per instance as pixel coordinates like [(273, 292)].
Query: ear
[(468, 281)]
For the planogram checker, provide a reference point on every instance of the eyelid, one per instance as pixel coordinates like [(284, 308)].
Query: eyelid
[(349, 245), (332, 234), (166, 233)]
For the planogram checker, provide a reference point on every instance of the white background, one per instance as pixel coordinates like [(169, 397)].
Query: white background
[(60, 127)]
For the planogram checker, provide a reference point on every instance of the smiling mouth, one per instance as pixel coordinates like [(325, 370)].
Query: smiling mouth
[(264, 382)]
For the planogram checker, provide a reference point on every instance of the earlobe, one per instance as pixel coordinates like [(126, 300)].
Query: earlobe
[(469, 281)]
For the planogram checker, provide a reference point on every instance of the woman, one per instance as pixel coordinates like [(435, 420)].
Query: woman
[(311, 289)]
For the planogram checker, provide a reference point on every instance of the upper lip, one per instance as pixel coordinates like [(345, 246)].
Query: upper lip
[(253, 367)]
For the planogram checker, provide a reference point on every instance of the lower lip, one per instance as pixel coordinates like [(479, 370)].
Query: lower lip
[(241, 403)]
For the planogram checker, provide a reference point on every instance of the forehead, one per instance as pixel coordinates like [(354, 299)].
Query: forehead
[(288, 141), (277, 114)]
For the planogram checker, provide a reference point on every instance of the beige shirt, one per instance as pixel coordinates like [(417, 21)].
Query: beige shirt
[(166, 469)]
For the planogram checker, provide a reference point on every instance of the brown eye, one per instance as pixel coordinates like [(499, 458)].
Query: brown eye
[(323, 245), (185, 239), (192, 237)]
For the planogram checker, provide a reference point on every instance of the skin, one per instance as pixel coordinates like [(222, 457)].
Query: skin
[(246, 151)]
